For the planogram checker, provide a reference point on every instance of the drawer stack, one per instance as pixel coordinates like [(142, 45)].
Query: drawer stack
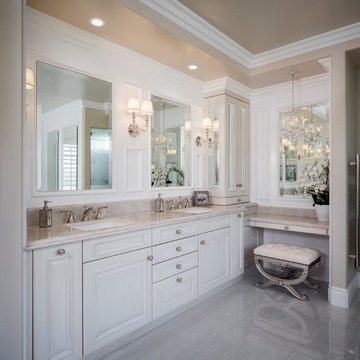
[(175, 266)]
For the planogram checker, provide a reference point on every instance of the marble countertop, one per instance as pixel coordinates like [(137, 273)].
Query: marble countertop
[(63, 233), (289, 220)]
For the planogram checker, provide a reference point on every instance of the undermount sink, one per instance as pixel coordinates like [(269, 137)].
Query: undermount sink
[(194, 210), (98, 225)]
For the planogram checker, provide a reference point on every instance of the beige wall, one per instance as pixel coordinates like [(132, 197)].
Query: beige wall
[(11, 220)]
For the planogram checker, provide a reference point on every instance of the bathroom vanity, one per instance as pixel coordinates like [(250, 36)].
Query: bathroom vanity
[(91, 288)]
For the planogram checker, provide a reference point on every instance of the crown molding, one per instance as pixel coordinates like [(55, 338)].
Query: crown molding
[(226, 83), (197, 26), (317, 42), (309, 82), (200, 28)]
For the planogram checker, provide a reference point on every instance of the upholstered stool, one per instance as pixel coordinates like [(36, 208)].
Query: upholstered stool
[(296, 262)]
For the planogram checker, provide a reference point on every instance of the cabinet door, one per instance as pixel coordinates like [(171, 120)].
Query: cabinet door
[(237, 244), (57, 309), (214, 259), (117, 297)]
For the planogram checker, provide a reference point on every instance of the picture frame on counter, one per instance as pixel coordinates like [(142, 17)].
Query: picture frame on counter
[(201, 198)]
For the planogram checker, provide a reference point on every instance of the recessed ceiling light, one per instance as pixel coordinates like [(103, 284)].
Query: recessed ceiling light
[(192, 67), (95, 21)]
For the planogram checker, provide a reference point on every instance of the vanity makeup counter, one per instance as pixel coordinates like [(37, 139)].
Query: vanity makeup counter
[(66, 233)]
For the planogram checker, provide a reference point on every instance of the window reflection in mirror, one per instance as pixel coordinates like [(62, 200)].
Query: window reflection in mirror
[(74, 130), (304, 137), (170, 143)]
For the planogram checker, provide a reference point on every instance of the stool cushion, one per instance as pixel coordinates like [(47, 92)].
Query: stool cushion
[(292, 253)]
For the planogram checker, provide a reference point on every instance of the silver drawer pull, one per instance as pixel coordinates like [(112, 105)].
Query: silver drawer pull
[(178, 248), (286, 227), (178, 266), (239, 199), (179, 280), (61, 252), (202, 242), (150, 258), (178, 232), (239, 215), (239, 185)]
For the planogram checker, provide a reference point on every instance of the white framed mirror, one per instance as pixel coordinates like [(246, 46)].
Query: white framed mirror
[(303, 138), (170, 144), (74, 130)]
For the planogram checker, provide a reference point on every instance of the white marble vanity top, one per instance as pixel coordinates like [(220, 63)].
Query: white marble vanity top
[(289, 220), (64, 233)]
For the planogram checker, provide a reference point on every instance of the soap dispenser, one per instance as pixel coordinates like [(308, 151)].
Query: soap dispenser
[(45, 216), (159, 204)]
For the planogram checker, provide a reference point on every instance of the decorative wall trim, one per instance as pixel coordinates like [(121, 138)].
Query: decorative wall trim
[(226, 83), (133, 169), (197, 26), (343, 297)]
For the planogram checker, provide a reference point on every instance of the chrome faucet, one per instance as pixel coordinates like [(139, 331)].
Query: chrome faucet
[(188, 203), (70, 218), (171, 204), (179, 204), (87, 210), (99, 214)]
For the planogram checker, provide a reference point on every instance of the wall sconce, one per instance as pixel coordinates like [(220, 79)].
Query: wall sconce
[(134, 108), (29, 79), (206, 125)]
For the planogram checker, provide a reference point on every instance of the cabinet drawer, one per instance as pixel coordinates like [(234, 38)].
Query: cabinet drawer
[(174, 249), (175, 266), (173, 292), (115, 244), (214, 223), (232, 200), (174, 232)]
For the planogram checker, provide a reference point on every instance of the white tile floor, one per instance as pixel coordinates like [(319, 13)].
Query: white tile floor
[(246, 323)]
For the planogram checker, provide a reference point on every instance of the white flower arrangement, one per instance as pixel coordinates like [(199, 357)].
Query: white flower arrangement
[(315, 181), (159, 176)]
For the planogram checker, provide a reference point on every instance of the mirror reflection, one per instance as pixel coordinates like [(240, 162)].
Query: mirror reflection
[(74, 130), (304, 137), (170, 143)]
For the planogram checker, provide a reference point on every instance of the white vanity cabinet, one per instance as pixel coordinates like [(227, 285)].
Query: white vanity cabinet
[(214, 259), (229, 157), (117, 297), (57, 303), (237, 244)]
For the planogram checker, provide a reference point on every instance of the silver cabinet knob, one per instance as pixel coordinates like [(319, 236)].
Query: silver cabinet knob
[(178, 266), (202, 242), (239, 215), (150, 258), (178, 232), (239, 199), (179, 280), (178, 248), (61, 252), (286, 227)]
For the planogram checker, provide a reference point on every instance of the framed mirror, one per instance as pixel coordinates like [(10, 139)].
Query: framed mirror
[(304, 137), (170, 143), (74, 130)]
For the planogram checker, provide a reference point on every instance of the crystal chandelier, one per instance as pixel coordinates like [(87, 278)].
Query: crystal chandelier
[(312, 133), (163, 143), (292, 125)]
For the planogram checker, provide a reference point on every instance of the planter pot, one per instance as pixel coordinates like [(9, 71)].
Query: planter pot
[(322, 212)]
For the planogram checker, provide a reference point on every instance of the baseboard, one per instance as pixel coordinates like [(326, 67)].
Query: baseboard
[(343, 297)]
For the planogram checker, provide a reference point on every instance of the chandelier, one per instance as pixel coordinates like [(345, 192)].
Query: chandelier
[(312, 133), (163, 143), (292, 124)]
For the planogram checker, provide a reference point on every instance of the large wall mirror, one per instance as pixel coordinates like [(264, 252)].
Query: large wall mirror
[(74, 130), (304, 138), (170, 143)]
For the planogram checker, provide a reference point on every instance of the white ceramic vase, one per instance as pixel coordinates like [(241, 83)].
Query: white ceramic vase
[(322, 212)]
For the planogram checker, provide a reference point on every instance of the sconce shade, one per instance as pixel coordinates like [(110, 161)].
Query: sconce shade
[(187, 125), (133, 105), (147, 107), (29, 79), (216, 125), (206, 123)]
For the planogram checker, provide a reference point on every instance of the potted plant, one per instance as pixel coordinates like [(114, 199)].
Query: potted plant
[(315, 181)]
